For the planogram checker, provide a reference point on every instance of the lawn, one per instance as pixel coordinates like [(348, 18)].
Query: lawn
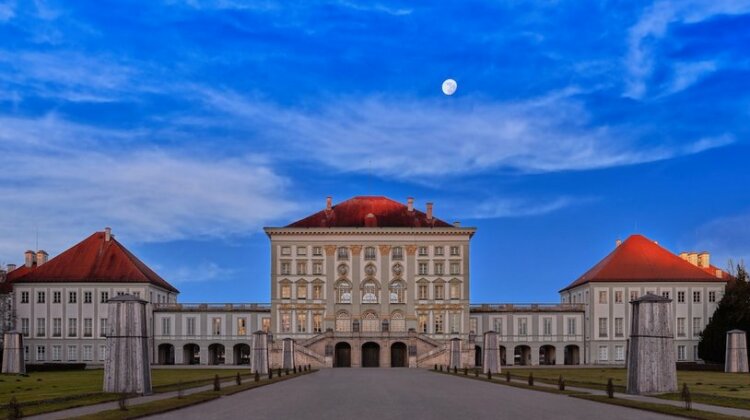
[(718, 388)]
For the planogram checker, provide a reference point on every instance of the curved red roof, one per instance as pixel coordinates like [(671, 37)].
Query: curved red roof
[(369, 211), (639, 259), (93, 260)]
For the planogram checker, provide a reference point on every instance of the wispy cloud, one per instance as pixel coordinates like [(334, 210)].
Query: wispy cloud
[(725, 238), (516, 207), (67, 180), (201, 272)]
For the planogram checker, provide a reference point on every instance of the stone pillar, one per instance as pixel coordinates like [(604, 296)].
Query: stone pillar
[(736, 360), (651, 360), (287, 354), (455, 354), (259, 353), (490, 353), (13, 353), (127, 368)]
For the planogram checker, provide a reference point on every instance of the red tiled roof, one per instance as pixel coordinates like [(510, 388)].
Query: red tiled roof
[(7, 286), (369, 211), (639, 259), (93, 260)]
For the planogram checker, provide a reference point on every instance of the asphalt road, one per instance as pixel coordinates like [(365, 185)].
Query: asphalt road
[(411, 394)]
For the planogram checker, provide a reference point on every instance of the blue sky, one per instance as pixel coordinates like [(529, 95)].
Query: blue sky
[(187, 126)]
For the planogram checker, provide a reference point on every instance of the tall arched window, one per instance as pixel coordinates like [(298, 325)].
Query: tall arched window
[(343, 322), (369, 292), (370, 322), (343, 292), (398, 323), (397, 292)]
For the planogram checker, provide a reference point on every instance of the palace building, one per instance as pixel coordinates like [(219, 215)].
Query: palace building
[(366, 282)]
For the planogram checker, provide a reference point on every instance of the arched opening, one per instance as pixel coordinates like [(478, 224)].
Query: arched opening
[(216, 354), (342, 356), (165, 354), (370, 354), (547, 355), (522, 355), (191, 354), (503, 358), (343, 322), (241, 354), (370, 322), (572, 355), (477, 356), (398, 355), (398, 323)]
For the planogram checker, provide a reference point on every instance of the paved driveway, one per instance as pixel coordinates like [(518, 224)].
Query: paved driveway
[(412, 394)]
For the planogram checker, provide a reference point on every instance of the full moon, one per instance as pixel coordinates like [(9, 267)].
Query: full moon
[(449, 87)]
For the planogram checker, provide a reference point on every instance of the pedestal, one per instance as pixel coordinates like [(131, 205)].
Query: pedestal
[(13, 353), (651, 361), (259, 353), (127, 367), (736, 360), (491, 355)]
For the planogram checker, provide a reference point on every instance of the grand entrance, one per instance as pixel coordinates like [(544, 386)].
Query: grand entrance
[(370, 355), (398, 355), (342, 356)]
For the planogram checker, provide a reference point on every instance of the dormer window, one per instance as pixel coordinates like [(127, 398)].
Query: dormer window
[(370, 253), (343, 253), (397, 253)]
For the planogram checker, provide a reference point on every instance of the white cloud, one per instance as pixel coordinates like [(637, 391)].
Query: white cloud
[(415, 140), (646, 34), (515, 207), (67, 180), (203, 271)]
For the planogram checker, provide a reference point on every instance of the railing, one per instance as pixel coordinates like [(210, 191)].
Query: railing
[(527, 307), (212, 307), (534, 338)]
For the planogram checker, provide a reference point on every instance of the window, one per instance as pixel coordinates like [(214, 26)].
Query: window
[(286, 322), (603, 353), (344, 292), (439, 251), (455, 251), (696, 297), (102, 327), (422, 289), (439, 268), (455, 268), (422, 251), (102, 353), (286, 291), (455, 291), (343, 253), (41, 353), (455, 323), (398, 323), (602, 327), (39, 297), (695, 353), (166, 326), (547, 326), (680, 327), (438, 323), (72, 353), (286, 250), (343, 322), (571, 326), (396, 293), (72, 327), (423, 323), (88, 327), (317, 291), (697, 326), (712, 297), (56, 297), (497, 325), (24, 297), (422, 268), (56, 353), (633, 295), (88, 353), (302, 291), (473, 326), (88, 295), (619, 327), (40, 327), (370, 253), (681, 353), (317, 323), (301, 322), (439, 292), (619, 353), (105, 297), (302, 268), (266, 324), (369, 293), (317, 268), (317, 250), (286, 268), (301, 251), (680, 297), (603, 296), (397, 253), (665, 294), (57, 327), (190, 326), (72, 297), (370, 322), (523, 326), (618, 296), (216, 326)]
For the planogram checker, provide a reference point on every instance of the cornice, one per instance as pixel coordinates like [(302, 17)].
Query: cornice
[(271, 231)]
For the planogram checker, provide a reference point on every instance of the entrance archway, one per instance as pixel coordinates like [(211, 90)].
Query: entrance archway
[(398, 355), (572, 355), (522, 355), (166, 354), (477, 356), (191, 354), (342, 356), (241, 354), (370, 354), (547, 355), (216, 354)]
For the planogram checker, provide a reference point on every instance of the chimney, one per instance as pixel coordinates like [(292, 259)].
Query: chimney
[(107, 234), (457, 224), (693, 258), (329, 203), (429, 211), (618, 242), (11, 267), (410, 203), (41, 257), (684, 255), (704, 259), (719, 274), (29, 258)]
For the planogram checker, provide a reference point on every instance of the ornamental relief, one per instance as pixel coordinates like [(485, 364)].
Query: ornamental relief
[(330, 250), (384, 249), (356, 249), (397, 269), (411, 249)]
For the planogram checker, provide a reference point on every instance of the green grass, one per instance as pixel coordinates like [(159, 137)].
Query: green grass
[(658, 408)]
